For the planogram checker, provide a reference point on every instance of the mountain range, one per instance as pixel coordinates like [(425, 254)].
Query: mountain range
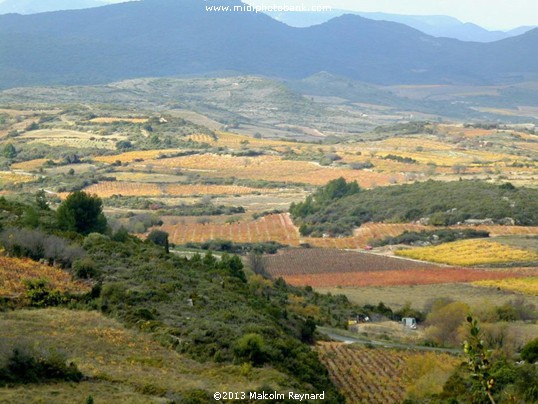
[(434, 25), (40, 6), (169, 38)]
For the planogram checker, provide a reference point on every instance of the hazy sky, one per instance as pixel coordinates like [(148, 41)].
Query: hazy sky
[(491, 14)]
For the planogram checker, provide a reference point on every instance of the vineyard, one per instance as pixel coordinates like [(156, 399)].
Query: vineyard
[(365, 375), (377, 231), (232, 140), (310, 261), (280, 228), (107, 189), (114, 120), (129, 157), (277, 227), (403, 277), (269, 168), (498, 230), (470, 252), (380, 375), (14, 271), (444, 158), (70, 138), (528, 286), (331, 268), (180, 190)]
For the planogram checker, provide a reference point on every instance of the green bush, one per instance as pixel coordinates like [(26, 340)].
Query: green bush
[(159, 237), (529, 353), (251, 347), (26, 366), (40, 294), (269, 247), (85, 269)]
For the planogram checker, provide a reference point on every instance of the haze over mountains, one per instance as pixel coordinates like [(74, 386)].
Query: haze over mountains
[(40, 6), (167, 38), (434, 25)]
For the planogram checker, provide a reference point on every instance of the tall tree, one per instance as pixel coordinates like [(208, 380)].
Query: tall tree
[(82, 213)]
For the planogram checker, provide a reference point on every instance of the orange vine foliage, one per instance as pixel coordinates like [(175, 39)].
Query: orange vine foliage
[(14, 271)]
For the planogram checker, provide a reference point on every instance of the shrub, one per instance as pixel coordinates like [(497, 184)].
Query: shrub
[(39, 293), (84, 269), (195, 397), (251, 347), (121, 235), (529, 353), (24, 366), (37, 245), (159, 237)]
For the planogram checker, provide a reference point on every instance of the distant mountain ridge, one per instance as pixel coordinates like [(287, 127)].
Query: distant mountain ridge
[(434, 25), (167, 37), (40, 6)]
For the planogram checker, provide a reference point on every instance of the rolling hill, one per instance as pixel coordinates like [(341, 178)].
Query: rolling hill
[(166, 38)]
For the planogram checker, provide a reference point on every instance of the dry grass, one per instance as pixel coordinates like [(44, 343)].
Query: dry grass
[(8, 177), (419, 295), (123, 364), (29, 165)]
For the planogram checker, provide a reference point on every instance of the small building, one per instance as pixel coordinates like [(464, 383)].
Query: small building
[(409, 322)]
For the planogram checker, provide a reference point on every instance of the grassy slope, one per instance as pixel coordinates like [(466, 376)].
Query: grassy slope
[(418, 295), (123, 365)]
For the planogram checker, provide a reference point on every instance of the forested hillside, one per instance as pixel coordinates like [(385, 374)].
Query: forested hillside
[(202, 307), (339, 207)]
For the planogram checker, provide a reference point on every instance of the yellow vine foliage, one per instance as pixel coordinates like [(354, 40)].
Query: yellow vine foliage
[(470, 252), (528, 286)]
